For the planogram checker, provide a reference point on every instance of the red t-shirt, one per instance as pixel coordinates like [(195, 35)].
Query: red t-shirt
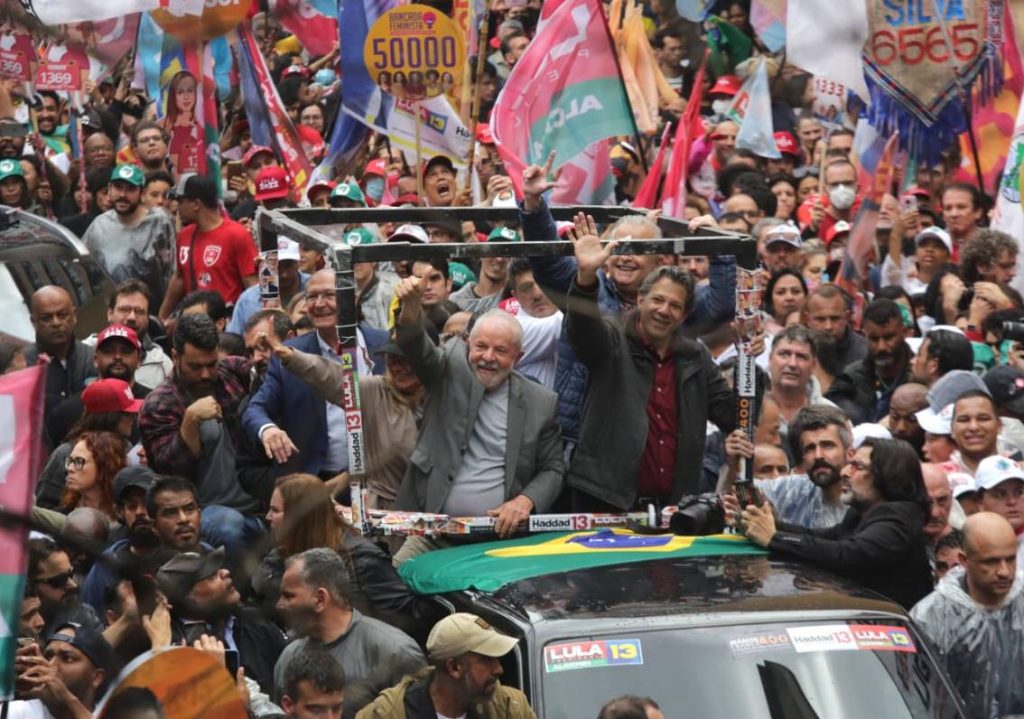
[(658, 463), (216, 260)]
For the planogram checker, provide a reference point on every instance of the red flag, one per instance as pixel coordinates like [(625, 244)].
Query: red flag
[(874, 185), (689, 127), (21, 461), (647, 195)]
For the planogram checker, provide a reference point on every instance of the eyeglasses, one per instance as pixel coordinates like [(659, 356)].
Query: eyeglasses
[(59, 581), (76, 462), (314, 297)]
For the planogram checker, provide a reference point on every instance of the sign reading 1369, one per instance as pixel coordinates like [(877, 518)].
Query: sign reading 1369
[(414, 51)]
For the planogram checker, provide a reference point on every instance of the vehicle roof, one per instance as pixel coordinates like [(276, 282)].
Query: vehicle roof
[(23, 236), (681, 588)]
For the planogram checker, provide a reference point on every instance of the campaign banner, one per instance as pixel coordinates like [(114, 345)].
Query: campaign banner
[(21, 461), (829, 104), (62, 68), (17, 55), (826, 39), (107, 42), (441, 130), (586, 179)]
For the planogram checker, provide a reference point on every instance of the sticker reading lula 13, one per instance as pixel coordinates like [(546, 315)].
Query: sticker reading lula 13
[(586, 654), (851, 637)]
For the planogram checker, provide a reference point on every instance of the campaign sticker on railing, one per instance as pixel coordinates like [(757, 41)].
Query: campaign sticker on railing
[(584, 655)]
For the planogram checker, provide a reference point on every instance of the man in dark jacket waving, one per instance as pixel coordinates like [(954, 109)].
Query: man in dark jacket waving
[(880, 543), (650, 393)]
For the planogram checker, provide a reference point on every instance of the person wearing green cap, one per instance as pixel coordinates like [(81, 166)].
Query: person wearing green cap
[(13, 186), (132, 241), (375, 288), (347, 195), (490, 289)]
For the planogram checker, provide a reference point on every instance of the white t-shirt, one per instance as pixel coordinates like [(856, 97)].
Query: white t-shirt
[(31, 709), (540, 346)]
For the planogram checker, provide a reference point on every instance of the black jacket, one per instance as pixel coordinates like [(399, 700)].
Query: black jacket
[(884, 549), (852, 348), (857, 392), (606, 464)]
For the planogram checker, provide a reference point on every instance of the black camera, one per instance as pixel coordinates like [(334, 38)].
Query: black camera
[(698, 515), (1013, 331)]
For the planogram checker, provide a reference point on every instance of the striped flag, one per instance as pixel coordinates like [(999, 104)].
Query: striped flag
[(268, 120), (21, 461)]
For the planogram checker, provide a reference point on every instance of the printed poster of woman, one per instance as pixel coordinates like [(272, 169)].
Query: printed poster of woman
[(187, 149)]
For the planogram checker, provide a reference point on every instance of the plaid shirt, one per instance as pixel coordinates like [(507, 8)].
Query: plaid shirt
[(164, 410)]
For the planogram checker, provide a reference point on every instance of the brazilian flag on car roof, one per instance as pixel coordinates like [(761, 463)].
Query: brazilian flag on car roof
[(489, 566)]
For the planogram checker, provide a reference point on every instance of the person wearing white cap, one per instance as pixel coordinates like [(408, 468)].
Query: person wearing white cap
[(973, 619), (783, 248), (933, 249), (290, 281), (463, 680), (1001, 483), (965, 492), (938, 430)]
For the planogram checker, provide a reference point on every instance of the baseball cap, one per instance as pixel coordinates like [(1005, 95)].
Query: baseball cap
[(1006, 385), (461, 633), (110, 395), (301, 70), (322, 184), (936, 232), (253, 151), (119, 331), (504, 234), (933, 422), (867, 430), (726, 85), (961, 483), (787, 144), (919, 192), (392, 349), (178, 575), (271, 183), (784, 233), (358, 236), (952, 386), (483, 133), (287, 249), (10, 168), (840, 228), (86, 639), (409, 233), (996, 470), (438, 160), (348, 191), (133, 476), (376, 167), (460, 274), (196, 187), (128, 173), (409, 198)]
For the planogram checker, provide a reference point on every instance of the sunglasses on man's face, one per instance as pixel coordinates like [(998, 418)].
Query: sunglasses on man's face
[(59, 581)]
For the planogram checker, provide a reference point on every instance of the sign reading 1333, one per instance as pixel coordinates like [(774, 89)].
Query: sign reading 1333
[(414, 52)]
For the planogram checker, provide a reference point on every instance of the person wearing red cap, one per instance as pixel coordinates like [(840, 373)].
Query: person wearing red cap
[(790, 152), (214, 253), (722, 93), (319, 193), (373, 180), (255, 159), (273, 189)]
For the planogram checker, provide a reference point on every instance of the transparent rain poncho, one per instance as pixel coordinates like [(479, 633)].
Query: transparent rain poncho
[(981, 649)]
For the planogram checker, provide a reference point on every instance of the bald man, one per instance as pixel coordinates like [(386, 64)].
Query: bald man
[(907, 400), (973, 619), (55, 318), (489, 443)]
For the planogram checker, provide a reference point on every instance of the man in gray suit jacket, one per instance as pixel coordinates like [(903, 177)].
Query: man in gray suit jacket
[(489, 443)]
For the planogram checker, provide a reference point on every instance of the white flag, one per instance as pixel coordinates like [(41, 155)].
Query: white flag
[(60, 12), (441, 130), (1008, 214), (825, 38)]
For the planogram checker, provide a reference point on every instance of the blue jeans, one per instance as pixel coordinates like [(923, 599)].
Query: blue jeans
[(225, 527)]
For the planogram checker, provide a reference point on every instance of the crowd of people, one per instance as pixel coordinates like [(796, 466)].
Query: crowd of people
[(198, 452)]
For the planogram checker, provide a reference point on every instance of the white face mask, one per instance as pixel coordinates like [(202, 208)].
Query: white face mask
[(842, 196), (720, 107)]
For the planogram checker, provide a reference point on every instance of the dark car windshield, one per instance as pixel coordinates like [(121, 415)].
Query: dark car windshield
[(777, 671)]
